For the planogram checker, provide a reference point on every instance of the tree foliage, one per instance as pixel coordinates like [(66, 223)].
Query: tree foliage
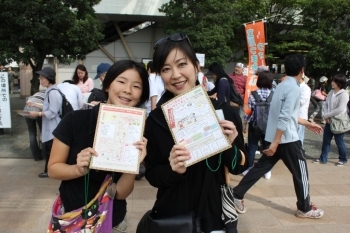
[(318, 28), (208, 23), (66, 29)]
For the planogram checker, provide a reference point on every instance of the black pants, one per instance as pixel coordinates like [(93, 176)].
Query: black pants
[(46, 152), (293, 157)]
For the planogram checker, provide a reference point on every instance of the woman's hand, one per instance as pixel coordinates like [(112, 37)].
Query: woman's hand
[(229, 130), (141, 145), (83, 160), (178, 155), (33, 114)]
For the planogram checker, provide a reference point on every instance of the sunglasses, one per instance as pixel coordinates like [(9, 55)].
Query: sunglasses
[(177, 37)]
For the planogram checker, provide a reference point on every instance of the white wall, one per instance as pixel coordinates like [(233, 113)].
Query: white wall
[(140, 44), (130, 7)]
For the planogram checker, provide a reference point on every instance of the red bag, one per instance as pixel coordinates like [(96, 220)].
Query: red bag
[(317, 94)]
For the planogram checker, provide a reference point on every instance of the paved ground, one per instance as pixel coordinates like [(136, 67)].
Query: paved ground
[(25, 199)]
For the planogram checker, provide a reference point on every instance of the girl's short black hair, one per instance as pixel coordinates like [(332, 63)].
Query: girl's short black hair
[(265, 79), (163, 49), (119, 67), (340, 80)]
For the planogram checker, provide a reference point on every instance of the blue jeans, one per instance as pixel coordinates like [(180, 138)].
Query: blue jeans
[(326, 144), (253, 141), (33, 139)]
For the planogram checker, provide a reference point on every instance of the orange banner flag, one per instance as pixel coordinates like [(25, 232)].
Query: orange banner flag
[(255, 35)]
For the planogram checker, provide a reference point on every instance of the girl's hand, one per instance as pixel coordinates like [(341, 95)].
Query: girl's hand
[(229, 130), (141, 145), (83, 160), (178, 155)]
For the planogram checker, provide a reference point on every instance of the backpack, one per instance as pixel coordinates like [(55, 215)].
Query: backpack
[(96, 95), (234, 96), (261, 112), (66, 106)]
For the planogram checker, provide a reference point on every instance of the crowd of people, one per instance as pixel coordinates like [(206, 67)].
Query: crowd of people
[(275, 126)]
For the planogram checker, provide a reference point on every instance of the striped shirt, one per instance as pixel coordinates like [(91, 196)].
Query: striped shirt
[(263, 93)]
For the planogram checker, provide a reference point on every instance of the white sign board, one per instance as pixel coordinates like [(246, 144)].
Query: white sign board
[(201, 58), (5, 113)]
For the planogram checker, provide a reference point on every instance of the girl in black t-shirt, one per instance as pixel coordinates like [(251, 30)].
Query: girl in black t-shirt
[(126, 83)]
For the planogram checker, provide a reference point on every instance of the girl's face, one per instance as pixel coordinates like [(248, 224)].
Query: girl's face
[(178, 73), (126, 89), (80, 74)]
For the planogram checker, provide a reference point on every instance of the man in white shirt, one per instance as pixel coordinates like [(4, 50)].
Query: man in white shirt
[(305, 94), (72, 93), (156, 88)]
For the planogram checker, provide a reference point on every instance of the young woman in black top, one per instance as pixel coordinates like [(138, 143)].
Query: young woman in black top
[(196, 188), (126, 83)]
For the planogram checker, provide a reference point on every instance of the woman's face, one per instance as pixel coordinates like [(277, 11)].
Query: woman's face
[(9, 69), (44, 82), (178, 73), (214, 76), (80, 74), (126, 89)]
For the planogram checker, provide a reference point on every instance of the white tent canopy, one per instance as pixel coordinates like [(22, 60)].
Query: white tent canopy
[(12, 64)]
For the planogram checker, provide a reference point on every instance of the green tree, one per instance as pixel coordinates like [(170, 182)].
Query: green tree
[(281, 17), (66, 29), (325, 32), (208, 23)]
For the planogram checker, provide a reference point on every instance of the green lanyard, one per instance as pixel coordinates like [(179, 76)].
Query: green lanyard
[(233, 164)]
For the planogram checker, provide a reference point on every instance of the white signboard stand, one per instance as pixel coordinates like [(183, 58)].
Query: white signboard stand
[(5, 112), (201, 59)]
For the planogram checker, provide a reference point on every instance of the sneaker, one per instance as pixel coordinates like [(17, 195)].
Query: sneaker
[(239, 205), (122, 227), (311, 120), (316, 161), (267, 175), (314, 213), (339, 164)]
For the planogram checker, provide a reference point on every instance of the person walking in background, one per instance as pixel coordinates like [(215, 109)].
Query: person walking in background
[(72, 93), (156, 88), (312, 85), (2, 69), (34, 103), (335, 105), (222, 83), (11, 77), (321, 87), (282, 133), (82, 80), (305, 95), (239, 79), (255, 136), (50, 114)]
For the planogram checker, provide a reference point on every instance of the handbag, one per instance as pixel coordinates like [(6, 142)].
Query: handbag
[(183, 223), (317, 94), (340, 124), (96, 216)]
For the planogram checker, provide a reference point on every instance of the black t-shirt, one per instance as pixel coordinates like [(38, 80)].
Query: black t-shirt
[(77, 130)]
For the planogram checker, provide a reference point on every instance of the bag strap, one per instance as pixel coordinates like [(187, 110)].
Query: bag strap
[(57, 89), (256, 96), (270, 97)]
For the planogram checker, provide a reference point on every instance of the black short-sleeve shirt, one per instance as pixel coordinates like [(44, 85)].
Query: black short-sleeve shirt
[(77, 130)]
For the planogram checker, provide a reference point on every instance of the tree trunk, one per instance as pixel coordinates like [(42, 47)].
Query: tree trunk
[(35, 83)]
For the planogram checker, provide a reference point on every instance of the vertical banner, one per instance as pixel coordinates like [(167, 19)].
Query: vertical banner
[(5, 113), (255, 34)]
